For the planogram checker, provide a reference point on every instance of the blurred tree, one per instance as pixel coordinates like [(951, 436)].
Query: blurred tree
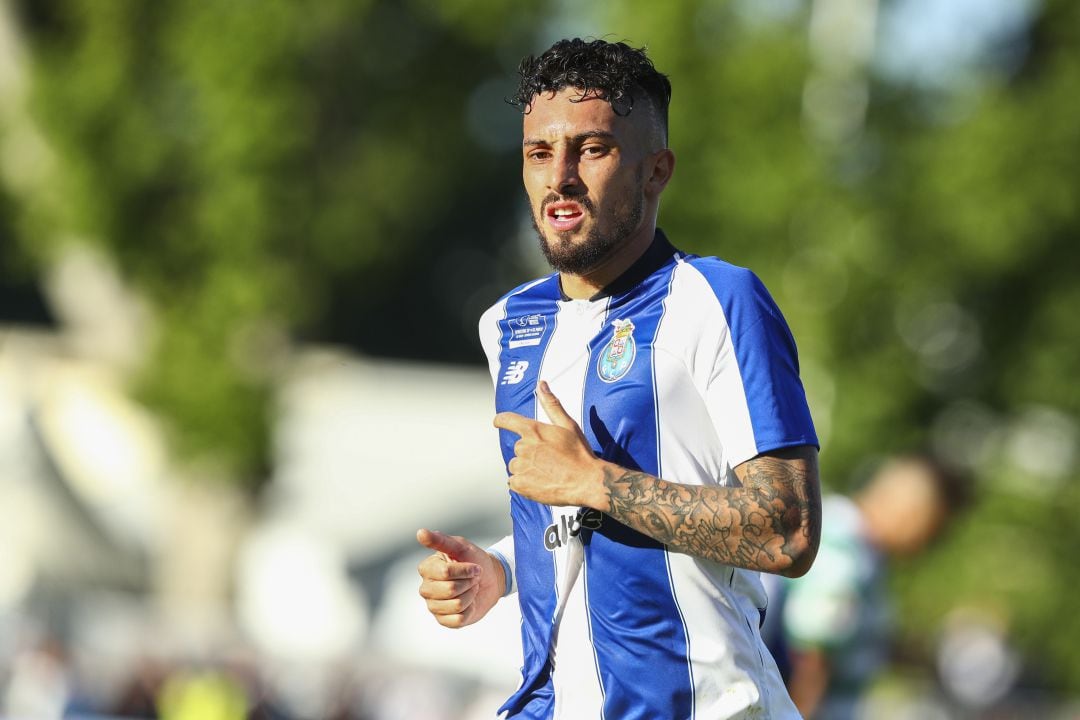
[(264, 169), (980, 202)]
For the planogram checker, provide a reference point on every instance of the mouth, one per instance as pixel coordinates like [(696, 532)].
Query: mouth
[(564, 216)]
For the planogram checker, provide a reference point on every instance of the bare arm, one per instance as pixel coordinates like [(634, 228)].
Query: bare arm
[(771, 523)]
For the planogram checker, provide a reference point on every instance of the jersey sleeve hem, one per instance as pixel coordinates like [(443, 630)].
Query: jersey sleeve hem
[(503, 551), (770, 445)]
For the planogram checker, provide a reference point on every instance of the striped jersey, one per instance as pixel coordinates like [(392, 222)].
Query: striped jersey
[(682, 368)]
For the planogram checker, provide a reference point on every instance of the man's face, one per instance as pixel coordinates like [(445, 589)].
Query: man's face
[(584, 174)]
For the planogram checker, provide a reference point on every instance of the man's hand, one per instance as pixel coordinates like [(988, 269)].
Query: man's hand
[(553, 464), (461, 581), (771, 523)]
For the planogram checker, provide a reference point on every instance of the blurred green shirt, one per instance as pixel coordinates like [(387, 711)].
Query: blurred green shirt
[(841, 607)]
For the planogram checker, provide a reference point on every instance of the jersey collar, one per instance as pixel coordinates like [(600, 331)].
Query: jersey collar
[(655, 257)]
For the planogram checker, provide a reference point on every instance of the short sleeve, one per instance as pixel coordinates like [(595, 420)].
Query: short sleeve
[(754, 393)]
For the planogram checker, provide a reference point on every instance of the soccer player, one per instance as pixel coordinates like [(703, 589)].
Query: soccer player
[(657, 438)]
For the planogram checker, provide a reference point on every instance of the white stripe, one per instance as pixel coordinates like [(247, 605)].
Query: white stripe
[(711, 357), (657, 414), (564, 367), (491, 337)]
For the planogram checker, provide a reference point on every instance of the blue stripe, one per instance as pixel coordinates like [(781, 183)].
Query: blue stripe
[(636, 625), (535, 567)]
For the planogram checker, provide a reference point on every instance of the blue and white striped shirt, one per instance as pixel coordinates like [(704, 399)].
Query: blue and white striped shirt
[(683, 368)]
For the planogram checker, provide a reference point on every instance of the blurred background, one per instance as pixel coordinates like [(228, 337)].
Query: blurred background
[(244, 247)]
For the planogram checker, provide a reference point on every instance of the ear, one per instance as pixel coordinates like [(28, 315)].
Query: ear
[(661, 167)]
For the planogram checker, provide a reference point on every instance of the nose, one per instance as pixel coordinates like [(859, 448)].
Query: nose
[(564, 178)]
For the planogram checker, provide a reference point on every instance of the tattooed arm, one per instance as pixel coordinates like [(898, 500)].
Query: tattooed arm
[(772, 523)]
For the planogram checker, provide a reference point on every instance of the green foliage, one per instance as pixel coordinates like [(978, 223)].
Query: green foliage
[(240, 161), (987, 206)]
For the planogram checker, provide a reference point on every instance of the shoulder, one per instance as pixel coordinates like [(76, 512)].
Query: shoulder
[(542, 287), (490, 317), (736, 291), (525, 302), (725, 280), (545, 287)]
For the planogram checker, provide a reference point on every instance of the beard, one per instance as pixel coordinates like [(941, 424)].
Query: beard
[(566, 256)]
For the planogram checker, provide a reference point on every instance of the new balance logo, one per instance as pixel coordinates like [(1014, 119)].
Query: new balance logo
[(515, 372)]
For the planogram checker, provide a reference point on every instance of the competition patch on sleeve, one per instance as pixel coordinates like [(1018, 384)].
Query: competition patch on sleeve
[(526, 331)]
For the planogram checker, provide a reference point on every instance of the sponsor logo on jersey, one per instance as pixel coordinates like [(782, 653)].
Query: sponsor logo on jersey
[(570, 526), (618, 355), (515, 372), (526, 331)]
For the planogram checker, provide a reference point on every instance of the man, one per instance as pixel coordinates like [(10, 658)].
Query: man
[(830, 629), (633, 362)]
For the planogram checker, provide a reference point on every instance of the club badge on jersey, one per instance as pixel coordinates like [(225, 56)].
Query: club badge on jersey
[(618, 355)]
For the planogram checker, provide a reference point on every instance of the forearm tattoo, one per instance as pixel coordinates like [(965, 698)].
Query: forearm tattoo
[(767, 524)]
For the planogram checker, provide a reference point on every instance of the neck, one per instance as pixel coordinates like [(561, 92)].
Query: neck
[(585, 286)]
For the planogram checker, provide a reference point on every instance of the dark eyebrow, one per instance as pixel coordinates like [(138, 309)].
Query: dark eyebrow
[(574, 140)]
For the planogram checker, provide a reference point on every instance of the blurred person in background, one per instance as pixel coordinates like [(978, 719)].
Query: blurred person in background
[(830, 629), (640, 596), (40, 685)]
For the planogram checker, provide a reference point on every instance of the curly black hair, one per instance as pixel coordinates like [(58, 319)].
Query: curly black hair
[(611, 71)]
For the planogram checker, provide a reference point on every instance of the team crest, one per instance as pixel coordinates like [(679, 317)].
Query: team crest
[(618, 355)]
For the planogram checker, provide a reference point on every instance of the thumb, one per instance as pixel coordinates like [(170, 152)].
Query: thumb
[(554, 408), (455, 548)]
